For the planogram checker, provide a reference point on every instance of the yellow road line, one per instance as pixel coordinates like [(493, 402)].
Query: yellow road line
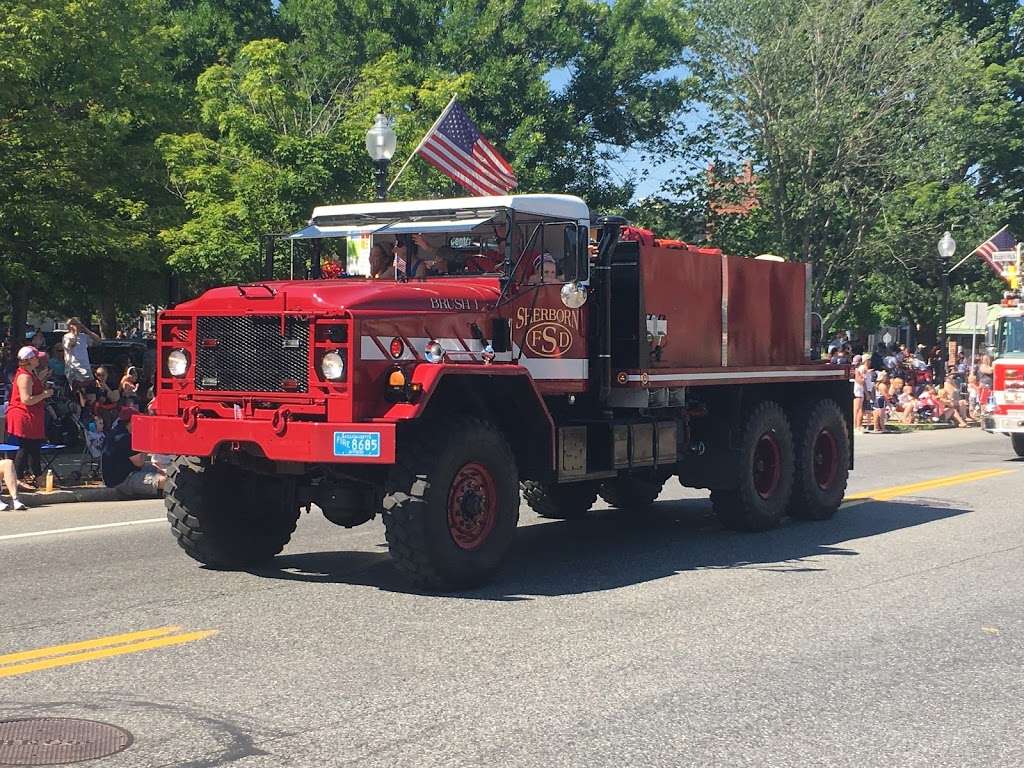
[(77, 658), (86, 645), (884, 494)]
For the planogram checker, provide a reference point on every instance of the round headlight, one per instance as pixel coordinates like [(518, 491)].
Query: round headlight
[(434, 352), (332, 366), (177, 362)]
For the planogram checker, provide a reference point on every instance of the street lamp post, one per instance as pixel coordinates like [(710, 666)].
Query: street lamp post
[(947, 247), (380, 146)]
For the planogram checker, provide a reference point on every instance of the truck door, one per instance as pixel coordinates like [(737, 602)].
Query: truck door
[(548, 338)]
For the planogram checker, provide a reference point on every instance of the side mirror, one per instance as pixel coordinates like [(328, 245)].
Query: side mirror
[(990, 335), (576, 262)]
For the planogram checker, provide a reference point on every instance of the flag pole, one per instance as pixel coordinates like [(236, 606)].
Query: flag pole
[(425, 137)]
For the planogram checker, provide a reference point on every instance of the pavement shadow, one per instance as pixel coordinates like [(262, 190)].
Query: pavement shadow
[(612, 549)]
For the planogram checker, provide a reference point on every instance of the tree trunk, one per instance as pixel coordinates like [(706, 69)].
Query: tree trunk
[(19, 293), (108, 316)]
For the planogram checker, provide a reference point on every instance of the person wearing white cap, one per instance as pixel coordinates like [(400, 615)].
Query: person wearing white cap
[(26, 416)]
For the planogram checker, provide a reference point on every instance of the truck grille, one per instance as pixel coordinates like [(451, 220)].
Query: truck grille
[(249, 354)]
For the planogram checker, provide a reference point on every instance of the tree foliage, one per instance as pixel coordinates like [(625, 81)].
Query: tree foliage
[(866, 120), (85, 94), (140, 132), (281, 125)]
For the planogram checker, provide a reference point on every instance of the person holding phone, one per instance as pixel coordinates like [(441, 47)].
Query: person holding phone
[(26, 417)]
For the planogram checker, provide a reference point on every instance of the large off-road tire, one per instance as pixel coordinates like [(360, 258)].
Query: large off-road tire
[(559, 502), (822, 461), (1017, 440), (765, 467), (634, 493), (226, 517), (451, 504)]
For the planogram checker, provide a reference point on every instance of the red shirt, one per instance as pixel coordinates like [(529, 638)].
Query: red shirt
[(27, 421)]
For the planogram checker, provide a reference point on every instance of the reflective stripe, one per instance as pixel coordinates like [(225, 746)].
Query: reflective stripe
[(539, 368), (838, 375), (368, 349), (556, 368)]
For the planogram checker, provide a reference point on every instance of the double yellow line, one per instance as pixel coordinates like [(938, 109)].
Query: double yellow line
[(24, 662), (885, 494)]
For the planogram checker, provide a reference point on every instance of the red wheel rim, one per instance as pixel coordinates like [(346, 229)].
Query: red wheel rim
[(472, 506), (826, 459), (767, 465)]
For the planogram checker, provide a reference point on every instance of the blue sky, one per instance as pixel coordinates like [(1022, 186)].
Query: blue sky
[(650, 178)]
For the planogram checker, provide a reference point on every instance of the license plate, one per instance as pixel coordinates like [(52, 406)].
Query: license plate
[(359, 444)]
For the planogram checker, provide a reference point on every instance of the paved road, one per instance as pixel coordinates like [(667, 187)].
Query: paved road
[(892, 635)]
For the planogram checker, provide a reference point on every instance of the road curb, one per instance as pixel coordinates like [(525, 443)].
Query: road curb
[(70, 496)]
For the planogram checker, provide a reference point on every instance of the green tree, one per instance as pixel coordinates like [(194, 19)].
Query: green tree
[(205, 32), (281, 125), (85, 94), (847, 108)]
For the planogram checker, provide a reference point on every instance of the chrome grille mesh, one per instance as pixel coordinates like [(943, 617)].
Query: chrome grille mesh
[(249, 354)]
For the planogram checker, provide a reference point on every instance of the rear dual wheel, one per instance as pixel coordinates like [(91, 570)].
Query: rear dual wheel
[(822, 462), (799, 471), (765, 472)]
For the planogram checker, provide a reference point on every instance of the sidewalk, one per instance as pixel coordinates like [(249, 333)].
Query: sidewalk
[(76, 494), (67, 462)]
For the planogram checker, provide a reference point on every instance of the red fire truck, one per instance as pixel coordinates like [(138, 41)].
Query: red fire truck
[(536, 352), (1006, 408)]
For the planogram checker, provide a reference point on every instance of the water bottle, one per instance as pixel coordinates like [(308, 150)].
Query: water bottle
[(49, 481)]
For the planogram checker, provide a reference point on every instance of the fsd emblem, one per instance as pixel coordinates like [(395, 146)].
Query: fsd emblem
[(548, 339)]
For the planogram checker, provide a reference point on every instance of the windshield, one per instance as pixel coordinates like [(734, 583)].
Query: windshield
[(1013, 336), (542, 250)]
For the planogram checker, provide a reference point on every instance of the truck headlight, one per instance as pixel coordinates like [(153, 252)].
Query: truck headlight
[(332, 366), (177, 362)]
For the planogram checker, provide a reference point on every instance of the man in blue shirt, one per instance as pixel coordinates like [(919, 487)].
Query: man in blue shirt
[(132, 474)]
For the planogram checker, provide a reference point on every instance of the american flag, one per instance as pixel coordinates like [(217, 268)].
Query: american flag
[(457, 149), (1003, 240)]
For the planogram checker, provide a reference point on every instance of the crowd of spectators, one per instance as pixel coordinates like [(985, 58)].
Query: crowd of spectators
[(895, 384), (55, 393)]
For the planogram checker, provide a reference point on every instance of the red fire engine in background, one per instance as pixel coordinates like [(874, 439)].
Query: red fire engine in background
[(435, 401), (1005, 410)]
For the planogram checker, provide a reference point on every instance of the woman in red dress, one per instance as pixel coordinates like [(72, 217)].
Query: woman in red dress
[(26, 416)]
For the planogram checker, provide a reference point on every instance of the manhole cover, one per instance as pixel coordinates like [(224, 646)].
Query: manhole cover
[(55, 741)]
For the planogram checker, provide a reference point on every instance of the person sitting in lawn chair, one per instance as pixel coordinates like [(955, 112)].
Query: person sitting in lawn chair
[(131, 473)]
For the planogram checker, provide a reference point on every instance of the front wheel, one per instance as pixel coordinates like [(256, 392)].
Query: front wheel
[(1017, 440), (451, 504), (765, 465), (226, 517)]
